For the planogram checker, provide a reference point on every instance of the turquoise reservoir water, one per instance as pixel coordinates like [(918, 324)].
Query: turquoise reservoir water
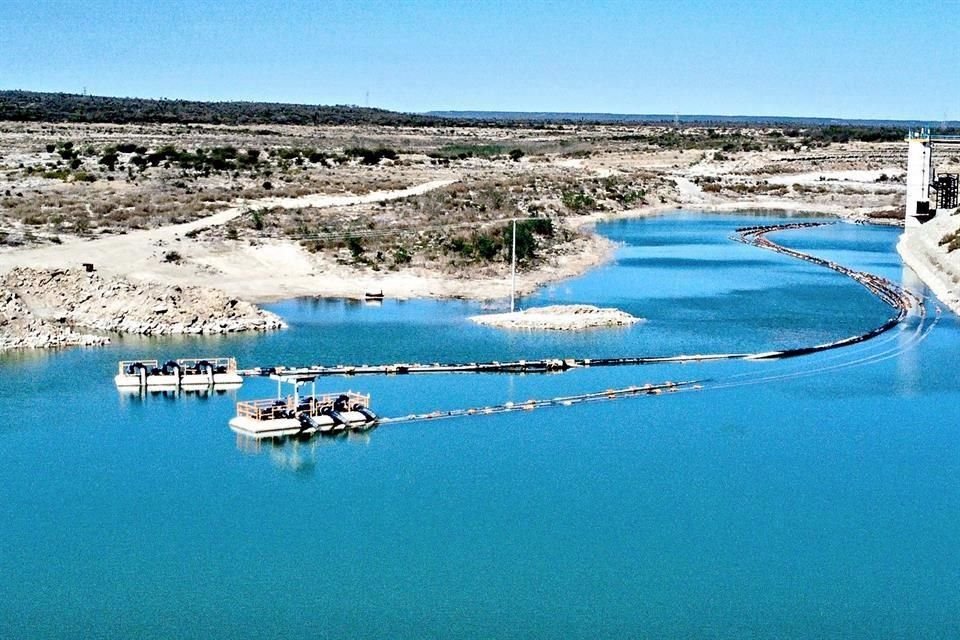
[(815, 497)]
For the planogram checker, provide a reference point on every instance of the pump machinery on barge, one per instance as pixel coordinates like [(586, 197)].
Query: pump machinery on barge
[(220, 373), (293, 415)]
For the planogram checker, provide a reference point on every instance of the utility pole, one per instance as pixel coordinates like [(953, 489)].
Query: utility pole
[(513, 269)]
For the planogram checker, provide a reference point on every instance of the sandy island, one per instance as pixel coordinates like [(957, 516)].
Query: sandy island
[(573, 317)]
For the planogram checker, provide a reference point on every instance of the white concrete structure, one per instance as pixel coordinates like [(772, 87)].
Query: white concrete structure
[(919, 175)]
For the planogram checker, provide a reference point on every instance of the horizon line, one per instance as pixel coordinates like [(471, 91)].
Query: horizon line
[(525, 114)]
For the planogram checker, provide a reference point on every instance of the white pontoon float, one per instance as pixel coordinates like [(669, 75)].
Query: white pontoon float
[(183, 373), (288, 415)]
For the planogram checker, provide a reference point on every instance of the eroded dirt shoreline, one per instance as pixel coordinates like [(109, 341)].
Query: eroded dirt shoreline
[(419, 224)]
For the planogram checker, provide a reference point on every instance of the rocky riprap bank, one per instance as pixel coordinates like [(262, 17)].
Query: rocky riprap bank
[(56, 307)]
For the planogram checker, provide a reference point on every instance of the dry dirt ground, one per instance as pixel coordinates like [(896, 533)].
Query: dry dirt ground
[(278, 211)]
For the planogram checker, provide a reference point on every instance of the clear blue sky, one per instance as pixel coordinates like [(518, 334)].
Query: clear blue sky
[(863, 59)]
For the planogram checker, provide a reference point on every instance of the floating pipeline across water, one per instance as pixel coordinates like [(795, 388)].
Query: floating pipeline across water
[(562, 401), (547, 365), (901, 300)]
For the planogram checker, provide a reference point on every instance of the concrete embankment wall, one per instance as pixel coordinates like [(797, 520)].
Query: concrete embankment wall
[(921, 250)]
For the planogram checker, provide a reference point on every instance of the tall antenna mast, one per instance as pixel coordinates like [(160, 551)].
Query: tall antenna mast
[(513, 269)]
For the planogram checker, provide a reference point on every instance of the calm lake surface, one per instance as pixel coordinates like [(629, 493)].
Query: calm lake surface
[(814, 497)]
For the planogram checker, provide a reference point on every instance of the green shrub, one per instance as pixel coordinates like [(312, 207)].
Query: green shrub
[(355, 247), (526, 230), (368, 156), (401, 256), (487, 246), (464, 151), (109, 159), (578, 201)]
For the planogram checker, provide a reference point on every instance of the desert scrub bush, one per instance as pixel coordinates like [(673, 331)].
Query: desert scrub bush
[(286, 153), (487, 246), (370, 156), (58, 174), (804, 188), (401, 256), (464, 151), (130, 147), (951, 240), (109, 160), (578, 201), (355, 247), (526, 231), (257, 219), (249, 159), (624, 194)]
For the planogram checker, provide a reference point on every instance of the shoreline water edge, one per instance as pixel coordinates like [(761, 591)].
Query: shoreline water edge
[(249, 283)]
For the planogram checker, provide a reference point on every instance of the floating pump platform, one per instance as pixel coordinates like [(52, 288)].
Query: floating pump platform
[(189, 373), (293, 415)]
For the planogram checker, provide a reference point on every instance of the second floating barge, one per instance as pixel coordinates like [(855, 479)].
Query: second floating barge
[(175, 374)]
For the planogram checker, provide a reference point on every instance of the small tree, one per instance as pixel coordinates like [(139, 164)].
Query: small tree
[(109, 159), (355, 246)]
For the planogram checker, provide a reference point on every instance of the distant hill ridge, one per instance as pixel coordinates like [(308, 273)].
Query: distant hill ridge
[(35, 106), (68, 107), (561, 116)]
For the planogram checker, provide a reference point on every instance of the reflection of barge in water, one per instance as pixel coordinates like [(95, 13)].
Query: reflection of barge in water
[(182, 373), (291, 415)]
